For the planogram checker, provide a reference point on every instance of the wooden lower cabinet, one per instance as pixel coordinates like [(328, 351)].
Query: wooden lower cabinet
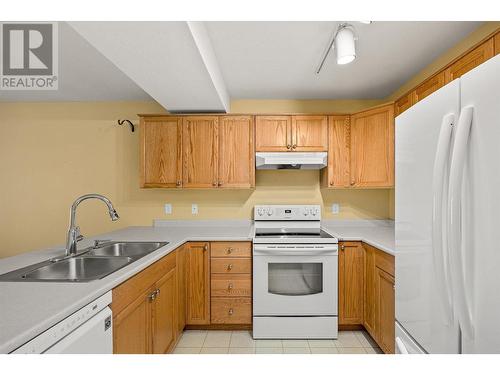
[(181, 289), (231, 283), (379, 314), (198, 283), (144, 313), (385, 313), (163, 322), (351, 283)]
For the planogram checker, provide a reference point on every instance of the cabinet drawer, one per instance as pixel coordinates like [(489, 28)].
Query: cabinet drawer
[(231, 265), (231, 310), (231, 249), (231, 285), (385, 262)]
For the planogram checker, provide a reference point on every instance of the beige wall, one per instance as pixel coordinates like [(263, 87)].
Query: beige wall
[(52, 152)]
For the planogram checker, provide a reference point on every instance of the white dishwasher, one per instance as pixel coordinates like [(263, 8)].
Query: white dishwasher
[(87, 331)]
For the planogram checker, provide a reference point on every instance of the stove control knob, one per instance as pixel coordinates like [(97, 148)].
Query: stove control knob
[(270, 211), (314, 211), (305, 212), (260, 212)]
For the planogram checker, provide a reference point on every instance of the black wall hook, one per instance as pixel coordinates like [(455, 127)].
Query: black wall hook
[(132, 127)]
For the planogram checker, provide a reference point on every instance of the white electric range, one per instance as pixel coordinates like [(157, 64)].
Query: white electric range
[(295, 274)]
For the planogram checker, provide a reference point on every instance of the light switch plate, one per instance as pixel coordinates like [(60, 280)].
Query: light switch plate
[(335, 208), (168, 208), (194, 209)]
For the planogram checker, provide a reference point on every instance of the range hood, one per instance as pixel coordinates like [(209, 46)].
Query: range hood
[(291, 160)]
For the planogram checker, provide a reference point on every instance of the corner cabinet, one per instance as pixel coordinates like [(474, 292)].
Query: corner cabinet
[(144, 308), (361, 150), (291, 133), (197, 152)]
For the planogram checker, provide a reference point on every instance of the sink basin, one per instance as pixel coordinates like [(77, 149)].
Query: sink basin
[(134, 250), (91, 264), (78, 269)]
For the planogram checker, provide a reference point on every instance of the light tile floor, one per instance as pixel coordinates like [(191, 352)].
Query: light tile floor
[(241, 342)]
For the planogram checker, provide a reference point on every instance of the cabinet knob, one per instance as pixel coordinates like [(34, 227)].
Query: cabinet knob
[(214, 183), (220, 183), (229, 267), (205, 248), (353, 182), (229, 250), (289, 146), (342, 247), (178, 183), (157, 291), (152, 296), (230, 286), (230, 312), (294, 147)]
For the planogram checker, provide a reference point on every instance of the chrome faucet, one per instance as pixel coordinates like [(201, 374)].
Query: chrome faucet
[(74, 231)]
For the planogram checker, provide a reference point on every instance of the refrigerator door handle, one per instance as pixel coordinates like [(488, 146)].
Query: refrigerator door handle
[(439, 244), (454, 221)]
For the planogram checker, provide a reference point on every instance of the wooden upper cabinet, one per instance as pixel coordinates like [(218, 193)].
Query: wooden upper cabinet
[(372, 147), (236, 152), (497, 43), (273, 133), (336, 173), (164, 313), (469, 61), (200, 151), (351, 282), (403, 103), (428, 87), (309, 133), (161, 156), (198, 283)]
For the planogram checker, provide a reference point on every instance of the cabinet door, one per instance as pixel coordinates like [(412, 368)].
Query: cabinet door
[(336, 174), (273, 133), (164, 313), (198, 283), (161, 156), (181, 289), (469, 61), (132, 328), (497, 43), (385, 311), (309, 133), (403, 103), (236, 152), (200, 151), (370, 299), (372, 148), (428, 87), (351, 283)]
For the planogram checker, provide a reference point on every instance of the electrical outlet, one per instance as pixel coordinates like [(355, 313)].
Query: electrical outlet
[(194, 209), (335, 208), (168, 208)]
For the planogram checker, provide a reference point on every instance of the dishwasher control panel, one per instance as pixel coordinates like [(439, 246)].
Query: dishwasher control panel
[(57, 332)]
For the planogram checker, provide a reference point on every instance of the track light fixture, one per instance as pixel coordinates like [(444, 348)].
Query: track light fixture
[(343, 41)]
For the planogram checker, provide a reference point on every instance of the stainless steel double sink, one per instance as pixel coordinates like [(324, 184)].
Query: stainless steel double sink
[(91, 264)]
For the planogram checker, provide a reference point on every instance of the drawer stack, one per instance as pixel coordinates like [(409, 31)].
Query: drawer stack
[(231, 282)]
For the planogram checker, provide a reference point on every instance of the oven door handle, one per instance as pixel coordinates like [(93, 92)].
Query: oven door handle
[(294, 251)]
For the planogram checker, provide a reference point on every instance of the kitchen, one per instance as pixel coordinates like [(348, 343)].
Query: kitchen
[(234, 225)]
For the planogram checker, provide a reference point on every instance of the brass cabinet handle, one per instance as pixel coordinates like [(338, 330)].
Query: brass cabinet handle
[(231, 311), (229, 250), (205, 248), (342, 247), (289, 146), (352, 182), (220, 183), (214, 183), (153, 295), (178, 183), (229, 267), (230, 286), (294, 147)]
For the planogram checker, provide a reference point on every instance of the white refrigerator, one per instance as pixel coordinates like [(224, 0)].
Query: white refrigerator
[(448, 218)]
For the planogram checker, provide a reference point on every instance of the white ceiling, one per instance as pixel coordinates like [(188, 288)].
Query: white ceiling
[(190, 66), (84, 75), (277, 60)]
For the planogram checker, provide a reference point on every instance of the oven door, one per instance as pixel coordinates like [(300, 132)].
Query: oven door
[(295, 280)]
